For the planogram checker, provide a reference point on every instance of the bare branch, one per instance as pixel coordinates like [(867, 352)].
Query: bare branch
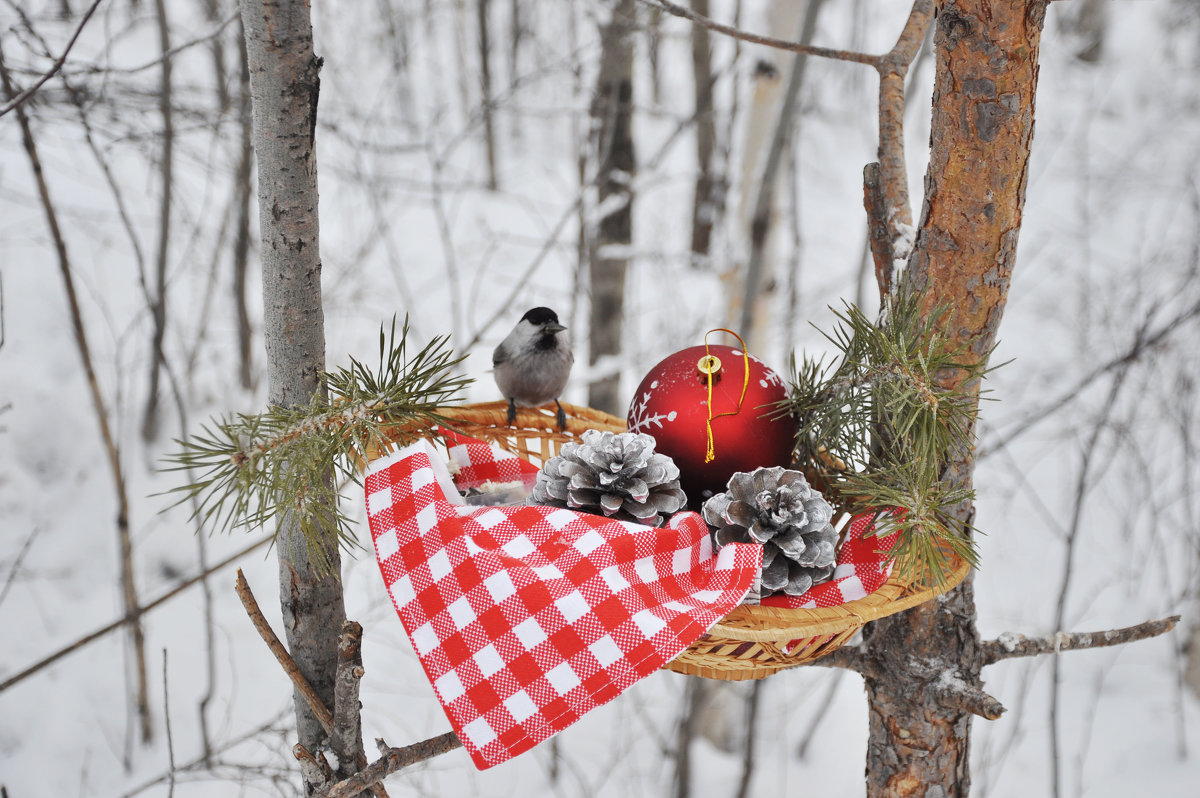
[(1010, 645), (167, 723), (16, 564), (894, 202), (315, 769), (1144, 340), (878, 231), (170, 53), (117, 624), (57, 65), (345, 738), (954, 693), (303, 687), (392, 760), (124, 542), (847, 657), (767, 41), (319, 710)]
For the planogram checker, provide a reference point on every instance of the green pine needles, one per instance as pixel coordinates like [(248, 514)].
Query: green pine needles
[(285, 465), (879, 427)]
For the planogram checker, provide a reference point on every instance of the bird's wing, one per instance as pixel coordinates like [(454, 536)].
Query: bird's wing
[(499, 355)]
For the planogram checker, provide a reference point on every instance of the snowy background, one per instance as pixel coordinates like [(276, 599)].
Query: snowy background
[(1088, 466)]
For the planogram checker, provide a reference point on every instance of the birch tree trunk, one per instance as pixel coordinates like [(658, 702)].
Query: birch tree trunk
[(612, 116), (284, 84), (982, 127)]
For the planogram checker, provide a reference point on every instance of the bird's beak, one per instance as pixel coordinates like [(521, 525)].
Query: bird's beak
[(553, 328)]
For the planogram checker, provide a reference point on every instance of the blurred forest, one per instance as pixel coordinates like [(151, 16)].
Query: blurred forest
[(461, 182)]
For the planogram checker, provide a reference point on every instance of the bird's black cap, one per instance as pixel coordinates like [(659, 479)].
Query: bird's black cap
[(539, 316)]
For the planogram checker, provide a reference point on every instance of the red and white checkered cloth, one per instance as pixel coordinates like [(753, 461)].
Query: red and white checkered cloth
[(525, 618), (863, 566)]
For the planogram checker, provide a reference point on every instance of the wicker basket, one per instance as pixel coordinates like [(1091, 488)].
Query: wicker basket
[(748, 643)]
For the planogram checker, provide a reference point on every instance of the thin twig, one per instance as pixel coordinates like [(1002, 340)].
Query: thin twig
[(15, 102), (1144, 341), (1013, 645), (158, 307), (203, 760), (319, 710), (167, 724), (125, 545), (818, 716), (768, 41), (752, 704), (16, 565), (117, 624), (169, 54)]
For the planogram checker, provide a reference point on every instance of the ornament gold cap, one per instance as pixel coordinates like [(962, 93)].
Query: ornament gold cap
[(709, 366)]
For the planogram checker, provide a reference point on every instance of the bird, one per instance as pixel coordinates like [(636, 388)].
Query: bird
[(532, 363)]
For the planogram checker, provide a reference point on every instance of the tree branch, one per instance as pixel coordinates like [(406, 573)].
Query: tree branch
[(954, 693), (878, 233), (1010, 645), (848, 657), (117, 624), (319, 710), (345, 738), (767, 41), (392, 760), (893, 202), (315, 769), (303, 686), (57, 65)]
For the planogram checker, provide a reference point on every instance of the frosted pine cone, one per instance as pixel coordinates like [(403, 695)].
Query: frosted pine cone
[(779, 509), (616, 474)]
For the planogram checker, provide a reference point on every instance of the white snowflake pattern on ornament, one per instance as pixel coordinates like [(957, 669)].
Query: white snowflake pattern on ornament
[(769, 375), (639, 417)]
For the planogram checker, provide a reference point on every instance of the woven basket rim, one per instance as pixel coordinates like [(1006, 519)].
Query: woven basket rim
[(752, 623), (756, 623)]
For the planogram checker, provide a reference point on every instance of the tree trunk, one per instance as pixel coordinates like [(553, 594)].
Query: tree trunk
[(752, 305), (284, 84), (704, 201), (612, 115), (485, 83), (242, 186), (966, 245), (158, 307)]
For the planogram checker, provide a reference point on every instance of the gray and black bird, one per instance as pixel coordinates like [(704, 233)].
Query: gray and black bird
[(532, 363)]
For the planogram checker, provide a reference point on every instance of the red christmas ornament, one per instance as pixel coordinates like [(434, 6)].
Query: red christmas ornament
[(741, 432)]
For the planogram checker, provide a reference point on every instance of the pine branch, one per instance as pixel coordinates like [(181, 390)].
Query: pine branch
[(877, 426), (255, 469)]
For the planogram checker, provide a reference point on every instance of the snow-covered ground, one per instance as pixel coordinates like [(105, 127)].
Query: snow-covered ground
[(1108, 253)]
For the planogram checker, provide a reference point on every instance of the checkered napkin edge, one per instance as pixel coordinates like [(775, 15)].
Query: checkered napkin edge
[(526, 618), (863, 566)]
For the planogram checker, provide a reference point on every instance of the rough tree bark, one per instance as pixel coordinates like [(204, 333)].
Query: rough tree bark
[(284, 84), (920, 712), (612, 116)]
